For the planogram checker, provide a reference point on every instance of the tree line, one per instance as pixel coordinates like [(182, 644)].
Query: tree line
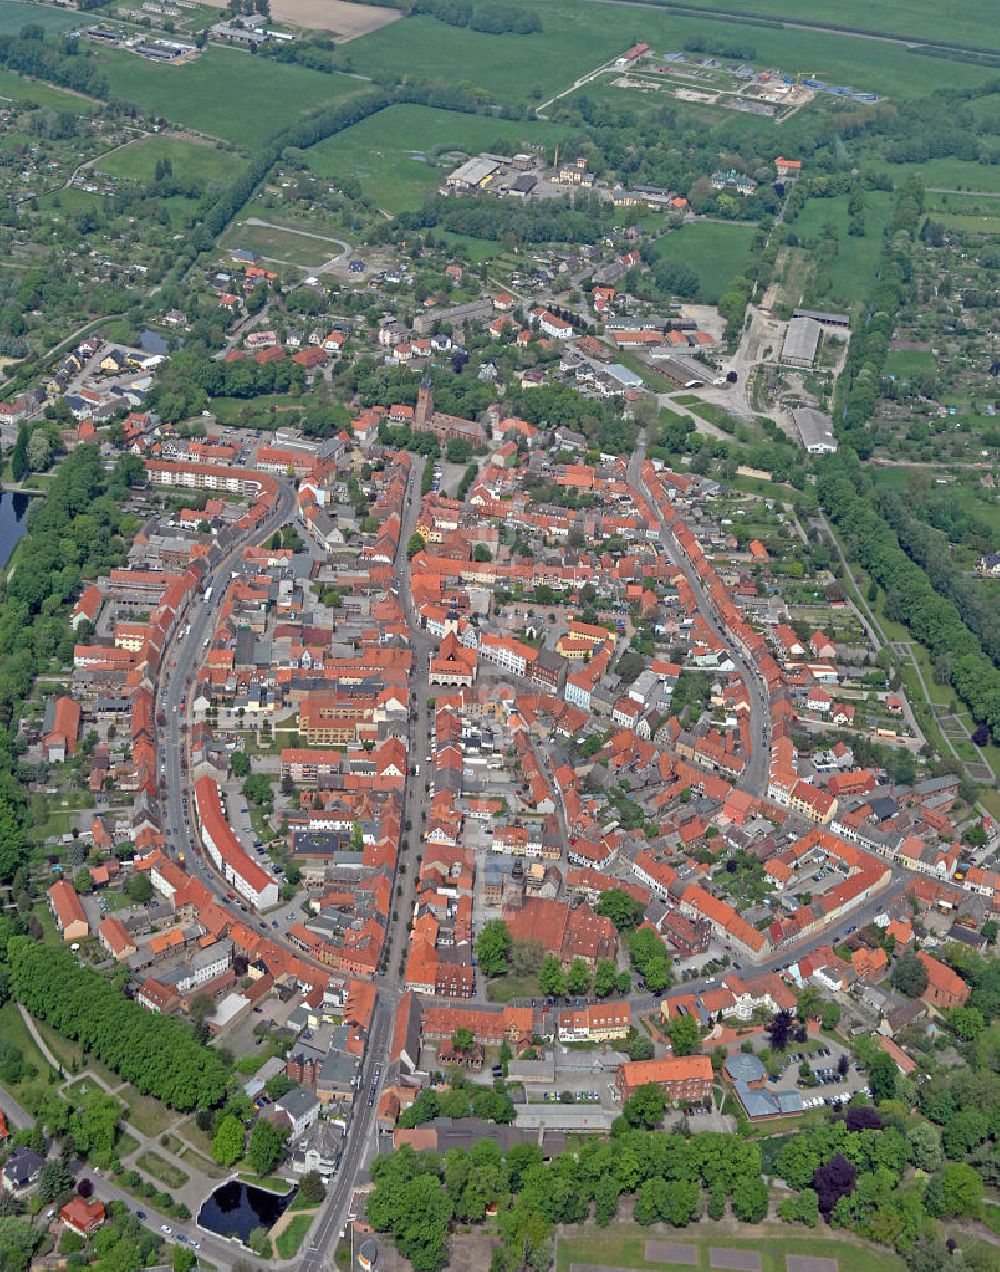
[(846, 495), (157, 1054)]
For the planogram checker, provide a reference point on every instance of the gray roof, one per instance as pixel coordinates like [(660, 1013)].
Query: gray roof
[(744, 1067), (767, 1103), (297, 1102), (801, 340), (814, 428)]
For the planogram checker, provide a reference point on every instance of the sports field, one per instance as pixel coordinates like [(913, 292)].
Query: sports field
[(393, 153), (717, 253), (624, 1246), (276, 244), (15, 15), (189, 160), (579, 35), (224, 93)]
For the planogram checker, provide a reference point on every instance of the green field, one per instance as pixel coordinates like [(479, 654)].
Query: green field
[(288, 1242), (853, 271), (970, 22), (969, 224), (283, 246), (578, 36), (166, 1172), (393, 153), (190, 160), (907, 362), (624, 1246), (15, 15), (16, 88), (716, 253), (948, 174), (224, 93)]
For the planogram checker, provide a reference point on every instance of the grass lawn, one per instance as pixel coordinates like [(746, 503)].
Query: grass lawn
[(852, 272), (968, 223), (190, 161), (147, 1114), (991, 1217), (65, 1051), (273, 1183), (16, 88), (624, 1247), (395, 153), (197, 1138), (126, 1144), (717, 253), (579, 36), (166, 1172), (504, 988), (14, 1030), (288, 1242), (211, 94), (906, 362), (947, 174)]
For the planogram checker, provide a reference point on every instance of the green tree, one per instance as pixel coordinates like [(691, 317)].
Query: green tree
[(924, 1140), (267, 1146), (493, 947), (54, 1179), (684, 1034), (312, 1188), (909, 975), (138, 888), (19, 455), (18, 1239), (551, 977), (956, 1193), (260, 1243), (605, 978), (227, 1143), (257, 790), (83, 881), (882, 1075), (749, 1196), (415, 544), (578, 977), (645, 1107), (830, 1015), (184, 1258), (240, 763), (623, 910)]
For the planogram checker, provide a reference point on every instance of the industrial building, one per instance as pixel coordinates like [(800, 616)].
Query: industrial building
[(801, 342), (815, 431)]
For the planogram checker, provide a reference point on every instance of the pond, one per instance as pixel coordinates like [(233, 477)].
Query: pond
[(13, 506), (234, 1209)]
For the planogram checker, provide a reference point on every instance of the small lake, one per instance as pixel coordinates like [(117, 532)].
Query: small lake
[(234, 1209), (13, 507)]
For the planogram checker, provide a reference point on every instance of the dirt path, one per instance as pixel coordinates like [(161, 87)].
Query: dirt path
[(39, 1040)]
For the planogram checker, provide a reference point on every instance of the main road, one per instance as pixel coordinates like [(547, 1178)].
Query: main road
[(754, 777)]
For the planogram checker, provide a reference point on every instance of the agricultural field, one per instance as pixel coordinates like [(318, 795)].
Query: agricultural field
[(396, 155), (972, 23), (190, 160), (213, 94), (14, 15), (578, 36), (716, 252)]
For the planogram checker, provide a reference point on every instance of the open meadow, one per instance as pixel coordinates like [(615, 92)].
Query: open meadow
[(393, 153), (190, 160), (848, 279), (717, 253), (579, 35), (17, 88), (224, 93)]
